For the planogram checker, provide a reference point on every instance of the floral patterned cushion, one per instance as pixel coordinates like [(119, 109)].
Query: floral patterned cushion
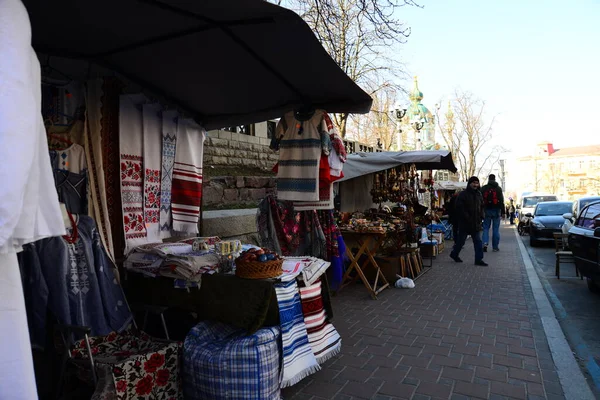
[(141, 367)]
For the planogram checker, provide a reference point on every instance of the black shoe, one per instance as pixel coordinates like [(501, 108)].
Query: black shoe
[(481, 263), (455, 258), (496, 250), (485, 248)]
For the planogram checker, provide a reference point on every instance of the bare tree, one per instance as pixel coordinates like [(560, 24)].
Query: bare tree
[(468, 135), (359, 35), (380, 124)]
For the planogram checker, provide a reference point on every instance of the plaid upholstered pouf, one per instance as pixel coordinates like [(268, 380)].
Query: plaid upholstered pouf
[(223, 363)]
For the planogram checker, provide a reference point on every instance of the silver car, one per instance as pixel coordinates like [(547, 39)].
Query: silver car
[(578, 205)]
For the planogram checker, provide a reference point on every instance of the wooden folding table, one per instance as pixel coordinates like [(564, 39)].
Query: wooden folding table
[(369, 243)]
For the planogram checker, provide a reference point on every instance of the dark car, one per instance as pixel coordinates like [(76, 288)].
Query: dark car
[(584, 242), (547, 219)]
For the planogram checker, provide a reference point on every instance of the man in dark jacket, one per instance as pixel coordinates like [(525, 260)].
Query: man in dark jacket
[(493, 203), (469, 214)]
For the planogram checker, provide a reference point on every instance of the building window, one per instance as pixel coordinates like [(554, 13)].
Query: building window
[(581, 183), (242, 129), (271, 127)]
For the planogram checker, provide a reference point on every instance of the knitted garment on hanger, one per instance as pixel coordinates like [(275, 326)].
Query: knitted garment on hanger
[(186, 193), (299, 157)]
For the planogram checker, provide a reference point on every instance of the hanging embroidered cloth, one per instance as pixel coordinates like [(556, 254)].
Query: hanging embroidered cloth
[(169, 142), (186, 193), (152, 131), (132, 173)]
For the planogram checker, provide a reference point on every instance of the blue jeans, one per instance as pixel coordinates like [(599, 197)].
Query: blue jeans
[(459, 242), (492, 218)]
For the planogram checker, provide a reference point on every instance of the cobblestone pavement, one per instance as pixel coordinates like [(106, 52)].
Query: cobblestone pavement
[(464, 332)]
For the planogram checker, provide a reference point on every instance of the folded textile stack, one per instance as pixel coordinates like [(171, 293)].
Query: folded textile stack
[(190, 266), (311, 268), (164, 249), (144, 263), (173, 260)]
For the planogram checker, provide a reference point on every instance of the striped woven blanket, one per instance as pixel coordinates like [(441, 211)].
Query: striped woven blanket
[(324, 339), (298, 358)]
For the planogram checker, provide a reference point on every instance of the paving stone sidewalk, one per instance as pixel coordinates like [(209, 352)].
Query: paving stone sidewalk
[(464, 332)]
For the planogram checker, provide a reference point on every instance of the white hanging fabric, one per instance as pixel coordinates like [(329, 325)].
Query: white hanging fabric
[(29, 208)]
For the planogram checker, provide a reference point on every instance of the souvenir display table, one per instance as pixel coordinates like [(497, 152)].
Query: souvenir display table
[(249, 304), (369, 243)]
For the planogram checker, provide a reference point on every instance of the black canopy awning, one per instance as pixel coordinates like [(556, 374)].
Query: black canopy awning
[(226, 62)]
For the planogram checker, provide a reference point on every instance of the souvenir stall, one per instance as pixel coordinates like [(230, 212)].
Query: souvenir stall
[(446, 190), (382, 212), (125, 116)]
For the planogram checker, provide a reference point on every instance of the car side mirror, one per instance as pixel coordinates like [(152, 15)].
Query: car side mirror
[(597, 232), (529, 215), (567, 216)]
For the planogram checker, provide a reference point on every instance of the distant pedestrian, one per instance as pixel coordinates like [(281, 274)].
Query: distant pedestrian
[(451, 208), (511, 212), (493, 202), (469, 214)]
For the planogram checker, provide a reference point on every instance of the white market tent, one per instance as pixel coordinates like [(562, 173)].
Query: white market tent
[(359, 164)]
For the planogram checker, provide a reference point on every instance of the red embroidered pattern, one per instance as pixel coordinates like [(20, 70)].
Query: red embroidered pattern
[(130, 170)]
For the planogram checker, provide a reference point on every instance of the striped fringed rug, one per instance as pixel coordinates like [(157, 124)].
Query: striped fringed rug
[(322, 336), (298, 358)]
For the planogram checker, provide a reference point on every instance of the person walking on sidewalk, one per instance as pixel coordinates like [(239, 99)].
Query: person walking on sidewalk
[(493, 202), (469, 214), (511, 212), (451, 207)]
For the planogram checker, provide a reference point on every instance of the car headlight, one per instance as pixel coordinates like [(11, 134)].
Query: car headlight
[(537, 224)]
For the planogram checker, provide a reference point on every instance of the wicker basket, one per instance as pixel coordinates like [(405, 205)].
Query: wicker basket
[(258, 270)]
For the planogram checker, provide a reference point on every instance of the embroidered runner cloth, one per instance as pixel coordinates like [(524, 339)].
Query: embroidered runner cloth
[(169, 142), (152, 127), (324, 339), (132, 174), (298, 358), (95, 122), (186, 193)]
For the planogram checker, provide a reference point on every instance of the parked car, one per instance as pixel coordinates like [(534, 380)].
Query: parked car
[(527, 206), (578, 205), (546, 220), (584, 242)]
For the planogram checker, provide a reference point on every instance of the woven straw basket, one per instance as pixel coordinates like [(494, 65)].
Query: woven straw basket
[(258, 270)]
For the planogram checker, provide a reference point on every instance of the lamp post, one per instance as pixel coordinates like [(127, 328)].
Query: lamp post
[(417, 126), (399, 114)]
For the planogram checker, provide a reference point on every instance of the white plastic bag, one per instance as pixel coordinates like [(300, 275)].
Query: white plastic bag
[(404, 283)]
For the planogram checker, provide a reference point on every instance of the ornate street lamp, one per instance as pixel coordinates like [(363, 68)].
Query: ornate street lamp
[(400, 113)]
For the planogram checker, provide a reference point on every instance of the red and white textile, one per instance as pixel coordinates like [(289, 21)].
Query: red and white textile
[(186, 192), (152, 144), (132, 173), (324, 339)]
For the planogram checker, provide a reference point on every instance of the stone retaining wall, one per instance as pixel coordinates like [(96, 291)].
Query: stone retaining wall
[(224, 148), (229, 190)]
